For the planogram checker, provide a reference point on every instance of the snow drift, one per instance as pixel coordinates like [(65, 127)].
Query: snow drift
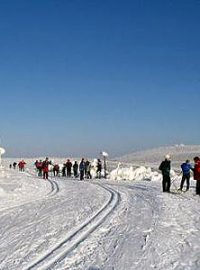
[(140, 173)]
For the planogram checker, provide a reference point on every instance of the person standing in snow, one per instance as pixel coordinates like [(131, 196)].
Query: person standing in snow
[(39, 167), (69, 168), (165, 168), (88, 169), (99, 168), (21, 165), (56, 170), (186, 167), (45, 168), (36, 164), (75, 169), (14, 165), (196, 172), (64, 170), (82, 169)]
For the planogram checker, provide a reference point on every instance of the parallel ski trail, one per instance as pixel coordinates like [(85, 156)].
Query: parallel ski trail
[(54, 190), (77, 236)]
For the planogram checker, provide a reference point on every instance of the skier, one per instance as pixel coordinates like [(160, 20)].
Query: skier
[(69, 168), (87, 169), (56, 169), (36, 164), (99, 168), (165, 168), (10, 166), (39, 167), (75, 169), (64, 170), (21, 165), (45, 168), (14, 165), (82, 169), (196, 171), (186, 167)]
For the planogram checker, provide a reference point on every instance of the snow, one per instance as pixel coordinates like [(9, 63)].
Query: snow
[(124, 222), (131, 174)]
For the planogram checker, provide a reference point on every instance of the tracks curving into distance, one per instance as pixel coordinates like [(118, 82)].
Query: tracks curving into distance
[(54, 186), (54, 190), (78, 235)]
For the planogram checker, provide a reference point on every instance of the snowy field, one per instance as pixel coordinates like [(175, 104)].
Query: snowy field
[(111, 224)]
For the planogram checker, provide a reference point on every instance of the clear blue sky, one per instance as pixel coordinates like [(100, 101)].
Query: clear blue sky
[(80, 76)]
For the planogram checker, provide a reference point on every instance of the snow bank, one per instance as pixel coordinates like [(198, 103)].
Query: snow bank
[(131, 174)]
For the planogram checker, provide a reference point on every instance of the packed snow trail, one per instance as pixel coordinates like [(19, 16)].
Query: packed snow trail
[(147, 230), (78, 235), (35, 223)]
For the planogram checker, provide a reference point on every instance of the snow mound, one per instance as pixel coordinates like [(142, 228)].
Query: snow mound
[(131, 174)]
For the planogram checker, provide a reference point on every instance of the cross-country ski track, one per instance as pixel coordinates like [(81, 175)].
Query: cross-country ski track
[(67, 224), (78, 235)]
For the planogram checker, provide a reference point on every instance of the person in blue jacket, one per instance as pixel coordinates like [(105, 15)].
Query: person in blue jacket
[(186, 167)]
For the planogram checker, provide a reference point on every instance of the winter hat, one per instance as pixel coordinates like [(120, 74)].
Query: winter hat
[(167, 157)]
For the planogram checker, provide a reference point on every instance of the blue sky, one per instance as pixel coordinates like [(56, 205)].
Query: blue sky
[(78, 77)]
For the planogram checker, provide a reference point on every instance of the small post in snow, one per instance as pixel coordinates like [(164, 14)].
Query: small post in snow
[(105, 155)]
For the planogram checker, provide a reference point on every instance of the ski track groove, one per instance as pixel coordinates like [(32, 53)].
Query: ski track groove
[(54, 190), (76, 237), (54, 186)]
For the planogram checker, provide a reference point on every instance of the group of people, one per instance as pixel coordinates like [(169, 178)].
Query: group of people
[(21, 165), (186, 168), (68, 169), (83, 170)]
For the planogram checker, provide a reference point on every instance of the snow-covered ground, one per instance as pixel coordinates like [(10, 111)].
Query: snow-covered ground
[(96, 224)]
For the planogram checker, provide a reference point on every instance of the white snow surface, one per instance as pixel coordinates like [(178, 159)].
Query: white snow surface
[(107, 224)]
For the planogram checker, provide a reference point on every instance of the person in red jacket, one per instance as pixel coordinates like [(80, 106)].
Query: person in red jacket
[(196, 171), (45, 168), (21, 165), (39, 167)]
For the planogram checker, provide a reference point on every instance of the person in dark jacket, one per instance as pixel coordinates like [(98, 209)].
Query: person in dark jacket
[(88, 169), (165, 168), (56, 170), (99, 168), (186, 167), (75, 169), (82, 169), (196, 172), (69, 168), (14, 165), (64, 170)]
